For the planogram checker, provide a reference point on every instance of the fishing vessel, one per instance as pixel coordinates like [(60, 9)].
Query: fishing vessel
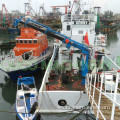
[(26, 96), (81, 81), (26, 57)]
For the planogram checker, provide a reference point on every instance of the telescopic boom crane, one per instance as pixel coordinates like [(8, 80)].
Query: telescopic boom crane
[(48, 31)]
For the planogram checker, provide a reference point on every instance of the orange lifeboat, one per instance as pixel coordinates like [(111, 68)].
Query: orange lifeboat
[(30, 40)]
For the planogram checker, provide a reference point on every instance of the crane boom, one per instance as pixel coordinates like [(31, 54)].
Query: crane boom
[(48, 31)]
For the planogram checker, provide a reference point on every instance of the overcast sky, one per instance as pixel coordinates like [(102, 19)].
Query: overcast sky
[(113, 5)]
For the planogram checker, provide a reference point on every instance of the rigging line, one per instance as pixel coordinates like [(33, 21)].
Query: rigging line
[(76, 102), (79, 98), (4, 111), (44, 99), (51, 101), (90, 116), (47, 104), (85, 108)]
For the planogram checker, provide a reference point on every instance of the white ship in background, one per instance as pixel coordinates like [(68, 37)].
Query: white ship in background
[(63, 87), (80, 77)]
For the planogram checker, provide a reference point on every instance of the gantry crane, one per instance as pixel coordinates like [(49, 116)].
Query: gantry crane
[(65, 6)]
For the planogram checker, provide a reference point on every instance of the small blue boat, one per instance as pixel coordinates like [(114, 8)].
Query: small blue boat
[(26, 98)]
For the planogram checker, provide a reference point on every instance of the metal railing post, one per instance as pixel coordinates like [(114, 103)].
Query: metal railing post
[(115, 95), (98, 81), (88, 81), (102, 76), (94, 89), (90, 85)]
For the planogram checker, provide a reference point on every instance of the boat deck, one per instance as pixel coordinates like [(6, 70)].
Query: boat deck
[(12, 64), (73, 83)]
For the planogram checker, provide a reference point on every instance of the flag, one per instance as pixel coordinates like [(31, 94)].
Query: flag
[(86, 39)]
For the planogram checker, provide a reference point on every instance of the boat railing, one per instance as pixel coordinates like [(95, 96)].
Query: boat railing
[(18, 59), (96, 88), (49, 68), (110, 64), (99, 41), (3, 55), (77, 17)]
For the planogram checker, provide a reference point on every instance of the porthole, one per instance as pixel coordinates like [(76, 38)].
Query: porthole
[(62, 103)]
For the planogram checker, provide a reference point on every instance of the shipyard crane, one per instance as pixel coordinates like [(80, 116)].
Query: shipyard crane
[(43, 9), (5, 19), (65, 6), (69, 42), (29, 10)]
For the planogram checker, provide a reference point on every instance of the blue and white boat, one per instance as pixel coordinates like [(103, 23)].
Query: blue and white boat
[(25, 98)]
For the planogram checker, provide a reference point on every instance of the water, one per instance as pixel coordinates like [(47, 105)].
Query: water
[(8, 89), (113, 44)]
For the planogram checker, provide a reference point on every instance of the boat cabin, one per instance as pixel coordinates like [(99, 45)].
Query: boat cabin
[(30, 41)]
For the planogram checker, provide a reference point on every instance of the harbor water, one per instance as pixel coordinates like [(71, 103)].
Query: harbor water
[(8, 89)]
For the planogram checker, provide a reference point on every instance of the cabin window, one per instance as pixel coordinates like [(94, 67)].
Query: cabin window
[(68, 27), (80, 32), (30, 41), (25, 41), (17, 41), (21, 41), (34, 41)]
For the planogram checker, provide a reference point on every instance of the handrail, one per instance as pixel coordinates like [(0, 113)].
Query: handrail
[(76, 17), (112, 63), (49, 67), (92, 85)]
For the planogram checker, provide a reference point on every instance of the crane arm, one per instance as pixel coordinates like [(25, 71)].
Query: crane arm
[(48, 31)]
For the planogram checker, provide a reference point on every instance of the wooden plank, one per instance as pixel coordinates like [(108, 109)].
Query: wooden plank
[(105, 102)]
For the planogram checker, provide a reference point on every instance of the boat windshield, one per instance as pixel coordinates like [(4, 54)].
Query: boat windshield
[(26, 87), (20, 102), (33, 100)]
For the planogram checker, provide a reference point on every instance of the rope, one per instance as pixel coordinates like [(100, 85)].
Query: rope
[(85, 108), (3, 111), (79, 98), (51, 101)]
